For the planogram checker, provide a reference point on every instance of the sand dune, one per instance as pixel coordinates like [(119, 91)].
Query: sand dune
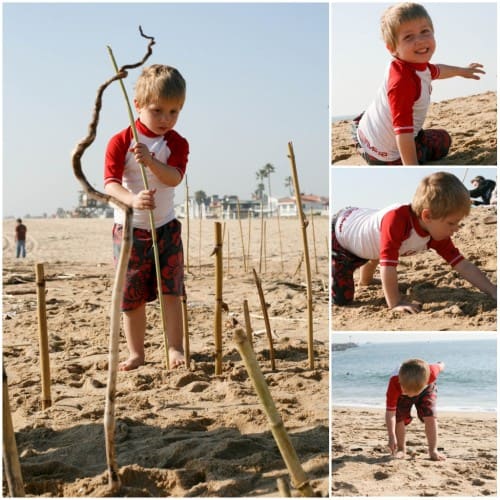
[(471, 122)]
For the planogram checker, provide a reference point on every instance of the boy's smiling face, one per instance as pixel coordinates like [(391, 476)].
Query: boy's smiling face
[(442, 228), (415, 41)]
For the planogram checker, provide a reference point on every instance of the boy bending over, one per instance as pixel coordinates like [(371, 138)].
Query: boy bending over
[(363, 237), (413, 384)]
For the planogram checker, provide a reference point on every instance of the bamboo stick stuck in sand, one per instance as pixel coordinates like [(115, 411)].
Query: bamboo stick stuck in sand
[(43, 336), (217, 251), (12, 466), (298, 476)]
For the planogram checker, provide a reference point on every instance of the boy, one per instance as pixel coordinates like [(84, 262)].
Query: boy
[(159, 97), (413, 384), (390, 131), (366, 237)]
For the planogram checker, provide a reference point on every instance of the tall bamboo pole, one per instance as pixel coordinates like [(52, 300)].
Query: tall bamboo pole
[(12, 466), (314, 242), (261, 236), (218, 298), (43, 336), (242, 240), (187, 224), (185, 324), (249, 234), (281, 244), (303, 225), (151, 215), (297, 474), (266, 319), (248, 321)]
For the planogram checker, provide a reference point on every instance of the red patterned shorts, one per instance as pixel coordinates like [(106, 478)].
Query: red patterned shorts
[(140, 283), (425, 403)]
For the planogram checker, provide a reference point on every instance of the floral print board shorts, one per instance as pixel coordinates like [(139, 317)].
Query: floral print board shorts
[(425, 403), (140, 282)]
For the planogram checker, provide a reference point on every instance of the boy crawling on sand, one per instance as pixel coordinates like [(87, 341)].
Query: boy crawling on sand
[(363, 238), (413, 384), (159, 96), (390, 131)]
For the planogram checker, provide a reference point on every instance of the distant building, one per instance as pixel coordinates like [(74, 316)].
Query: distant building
[(317, 204), (90, 208)]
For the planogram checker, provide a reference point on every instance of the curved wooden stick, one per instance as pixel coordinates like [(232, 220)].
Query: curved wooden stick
[(121, 270)]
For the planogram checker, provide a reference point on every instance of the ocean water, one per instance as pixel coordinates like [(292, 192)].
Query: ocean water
[(468, 383)]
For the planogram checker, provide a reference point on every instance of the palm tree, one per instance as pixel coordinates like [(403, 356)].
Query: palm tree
[(200, 197), (289, 184), (265, 172)]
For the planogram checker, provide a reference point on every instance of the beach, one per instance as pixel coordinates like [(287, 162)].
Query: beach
[(471, 122), (449, 302), (184, 432), (362, 465)]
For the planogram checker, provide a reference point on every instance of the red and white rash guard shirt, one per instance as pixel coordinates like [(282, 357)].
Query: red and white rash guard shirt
[(387, 234), (400, 107), (120, 166), (394, 388)]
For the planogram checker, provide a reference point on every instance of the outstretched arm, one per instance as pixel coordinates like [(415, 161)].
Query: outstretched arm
[(474, 70), (476, 277), (390, 422), (389, 278)]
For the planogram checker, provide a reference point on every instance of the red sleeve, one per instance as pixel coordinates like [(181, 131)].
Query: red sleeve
[(403, 89), (394, 229), (435, 71), (114, 161), (447, 250), (179, 151), (393, 393), (435, 371)]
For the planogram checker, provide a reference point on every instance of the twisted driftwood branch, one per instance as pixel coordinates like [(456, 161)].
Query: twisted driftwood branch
[(82, 146)]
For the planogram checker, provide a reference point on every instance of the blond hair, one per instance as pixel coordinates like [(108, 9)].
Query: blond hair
[(398, 14), (414, 375), (159, 81), (443, 194)]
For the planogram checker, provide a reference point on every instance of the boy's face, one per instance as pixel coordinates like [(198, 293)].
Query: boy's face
[(415, 41), (160, 117), (443, 228)]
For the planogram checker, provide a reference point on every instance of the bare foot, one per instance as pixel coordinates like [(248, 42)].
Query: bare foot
[(176, 357), (131, 364), (373, 281), (436, 456), (400, 454)]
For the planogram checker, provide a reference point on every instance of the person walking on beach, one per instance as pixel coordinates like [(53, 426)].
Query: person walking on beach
[(20, 239), (413, 383), (363, 238), (160, 93), (483, 188), (390, 131)]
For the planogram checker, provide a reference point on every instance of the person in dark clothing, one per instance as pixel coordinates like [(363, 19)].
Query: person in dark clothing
[(483, 188)]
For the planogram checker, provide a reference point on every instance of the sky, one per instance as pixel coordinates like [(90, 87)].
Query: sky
[(257, 78), (465, 32), (380, 187)]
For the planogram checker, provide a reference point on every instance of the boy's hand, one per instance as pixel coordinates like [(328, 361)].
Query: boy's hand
[(410, 307), (142, 154), (473, 71), (144, 200), (393, 445)]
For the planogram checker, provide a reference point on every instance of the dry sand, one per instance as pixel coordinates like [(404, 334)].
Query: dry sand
[(179, 433), (449, 302), (362, 465), (471, 122)]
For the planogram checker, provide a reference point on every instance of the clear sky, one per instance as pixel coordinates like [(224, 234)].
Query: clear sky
[(465, 33), (380, 187), (257, 77)]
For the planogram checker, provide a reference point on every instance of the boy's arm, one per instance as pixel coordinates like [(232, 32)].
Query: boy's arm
[(407, 149), (390, 423), (472, 71), (165, 173), (144, 200), (476, 277), (389, 278)]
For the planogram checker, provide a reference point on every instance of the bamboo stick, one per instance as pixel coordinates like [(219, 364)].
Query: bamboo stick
[(218, 298), (249, 234), (261, 236), (151, 215), (314, 241), (283, 487), (298, 476), (43, 336), (241, 235), (248, 321), (303, 225), (185, 324), (281, 244), (199, 245), (265, 245), (187, 224), (266, 319), (12, 466)]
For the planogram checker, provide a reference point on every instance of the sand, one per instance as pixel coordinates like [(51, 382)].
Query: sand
[(180, 433), (449, 302), (362, 465), (471, 122)]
